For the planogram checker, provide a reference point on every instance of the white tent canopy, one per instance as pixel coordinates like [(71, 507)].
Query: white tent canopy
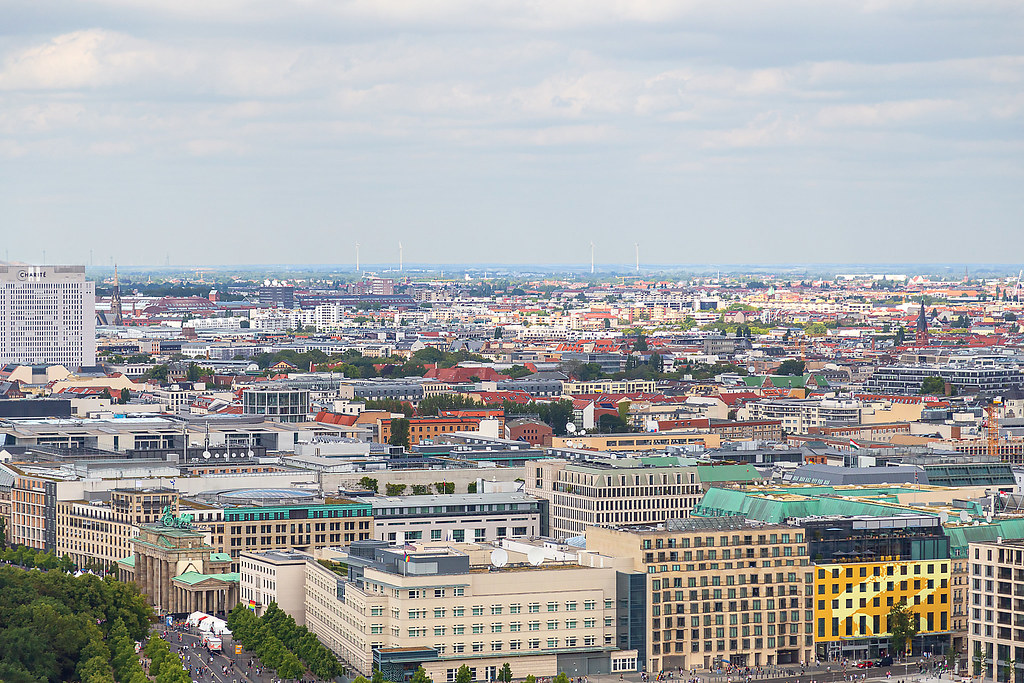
[(206, 623)]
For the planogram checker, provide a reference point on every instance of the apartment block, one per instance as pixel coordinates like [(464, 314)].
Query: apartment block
[(798, 416), (696, 592), (428, 428), (609, 386)]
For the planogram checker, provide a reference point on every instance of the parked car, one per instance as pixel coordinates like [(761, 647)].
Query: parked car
[(884, 661), (865, 664)]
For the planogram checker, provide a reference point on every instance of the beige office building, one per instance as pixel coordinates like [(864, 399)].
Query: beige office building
[(610, 491), (444, 605), (275, 576), (996, 622), (704, 590)]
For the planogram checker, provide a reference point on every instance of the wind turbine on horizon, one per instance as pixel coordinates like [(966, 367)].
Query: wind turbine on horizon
[(357, 257), (591, 258)]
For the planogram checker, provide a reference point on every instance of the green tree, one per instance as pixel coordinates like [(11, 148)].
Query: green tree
[(901, 335), (791, 367), (640, 344), (517, 371), (157, 372), (471, 487), (444, 487), (530, 678), (505, 675), (611, 424), (561, 677), (368, 483), (463, 675), (933, 386), (433, 405), (394, 489), (399, 432), (126, 396), (902, 627), (420, 675), (106, 394), (420, 489)]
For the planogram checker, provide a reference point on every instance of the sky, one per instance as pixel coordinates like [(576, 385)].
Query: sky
[(498, 131)]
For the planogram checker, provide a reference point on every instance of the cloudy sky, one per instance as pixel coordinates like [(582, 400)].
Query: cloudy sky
[(223, 131)]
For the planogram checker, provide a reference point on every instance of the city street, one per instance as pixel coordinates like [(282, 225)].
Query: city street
[(188, 644)]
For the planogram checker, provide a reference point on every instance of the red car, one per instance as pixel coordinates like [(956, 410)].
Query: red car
[(865, 664)]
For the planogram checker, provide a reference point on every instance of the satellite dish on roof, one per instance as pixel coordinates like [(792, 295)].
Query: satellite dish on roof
[(965, 518), (535, 557), (988, 517), (943, 517), (499, 557), (206, 454), (571, 428)]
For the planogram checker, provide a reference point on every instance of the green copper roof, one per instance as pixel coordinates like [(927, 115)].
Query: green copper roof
[(220, 557), (719, 502), (960, 536), (128, 561), (192, 578)]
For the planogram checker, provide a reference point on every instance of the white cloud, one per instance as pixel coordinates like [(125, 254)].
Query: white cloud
[(508, 99)]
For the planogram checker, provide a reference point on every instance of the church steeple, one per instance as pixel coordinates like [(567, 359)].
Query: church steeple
[(922, 326)]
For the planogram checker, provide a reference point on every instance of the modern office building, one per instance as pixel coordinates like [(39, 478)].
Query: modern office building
[(47, 316), (863, 566), (996, 623), (623, 490), (476, 517), (445, 605), (277, 296), (282, 405), (700, 591)]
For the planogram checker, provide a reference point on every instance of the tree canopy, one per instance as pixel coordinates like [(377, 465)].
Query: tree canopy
[(902, 626), (55, 627), (280, 644)]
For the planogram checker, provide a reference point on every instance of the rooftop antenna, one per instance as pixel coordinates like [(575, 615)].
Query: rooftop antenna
[(591, 258), (357, 257), (636, 246)]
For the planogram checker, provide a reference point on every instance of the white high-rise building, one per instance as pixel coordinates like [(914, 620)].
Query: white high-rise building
[(47, 316)]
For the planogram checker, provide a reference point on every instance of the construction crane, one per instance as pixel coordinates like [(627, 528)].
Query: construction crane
[(992, 425)]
